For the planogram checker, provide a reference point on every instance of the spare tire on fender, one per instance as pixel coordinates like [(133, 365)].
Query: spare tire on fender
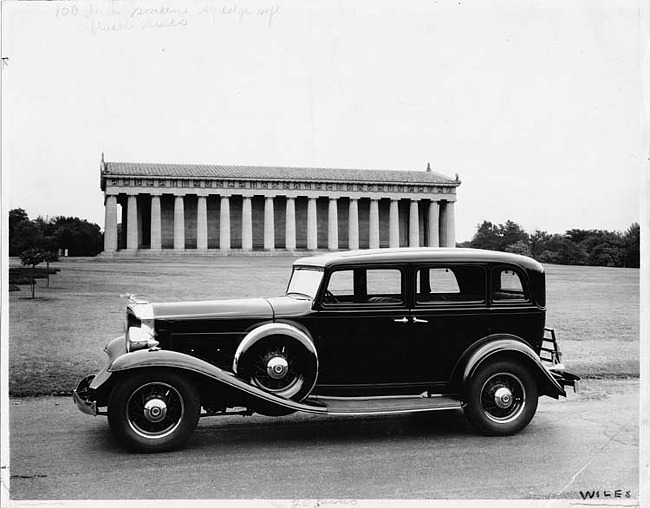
[(278, 359)]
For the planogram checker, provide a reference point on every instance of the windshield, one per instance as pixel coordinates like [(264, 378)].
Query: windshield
[(305, 281)]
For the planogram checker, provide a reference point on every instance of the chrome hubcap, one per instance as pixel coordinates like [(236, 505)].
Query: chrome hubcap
[(503, 398), (277, 367), (155, 410)]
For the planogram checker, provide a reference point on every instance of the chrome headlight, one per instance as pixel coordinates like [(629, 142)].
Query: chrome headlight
[(140, 332)]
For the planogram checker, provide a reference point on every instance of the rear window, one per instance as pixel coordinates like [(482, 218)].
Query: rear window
[(507, 286)]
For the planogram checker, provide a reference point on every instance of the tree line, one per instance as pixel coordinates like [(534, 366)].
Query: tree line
[(593, 247), (78, 236)]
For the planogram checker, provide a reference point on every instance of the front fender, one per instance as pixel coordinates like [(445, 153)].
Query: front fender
[(147, 358), (512, 346)]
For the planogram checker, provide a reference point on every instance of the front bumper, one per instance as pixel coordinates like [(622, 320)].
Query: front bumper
[(80, 395), (88, 389)]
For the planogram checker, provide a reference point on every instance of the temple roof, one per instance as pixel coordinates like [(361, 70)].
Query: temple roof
[(270, 173)]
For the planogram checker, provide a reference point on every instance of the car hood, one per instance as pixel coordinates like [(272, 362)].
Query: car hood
[(258, 308), (290, 306), (214, 309)]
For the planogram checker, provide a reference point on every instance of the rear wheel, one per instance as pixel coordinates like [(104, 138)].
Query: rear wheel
[(501, 398), (153, 410)]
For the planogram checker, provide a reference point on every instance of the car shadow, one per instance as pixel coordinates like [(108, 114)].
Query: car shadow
[(301, 429), (317, 429)]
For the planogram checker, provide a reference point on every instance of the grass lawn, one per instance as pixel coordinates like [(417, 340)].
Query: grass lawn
[(58, 337)]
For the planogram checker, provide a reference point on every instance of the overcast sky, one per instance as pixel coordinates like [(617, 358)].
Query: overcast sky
[(536, 105)]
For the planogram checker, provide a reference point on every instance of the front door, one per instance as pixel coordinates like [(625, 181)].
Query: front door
[(361, 325)]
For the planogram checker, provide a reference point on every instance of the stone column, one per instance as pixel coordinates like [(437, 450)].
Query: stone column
[(110, 224), (312, 225), (179, 223), (125, 219), (434, 228), (290, 225), (202, 224), (247, 224), (132, 223), (353, 224), (451, 225), (156, 225), (333, 225), (269, 224), (373, 242), (140, 227), (414, 225), (393, 238), (442, 224), (224, 223)]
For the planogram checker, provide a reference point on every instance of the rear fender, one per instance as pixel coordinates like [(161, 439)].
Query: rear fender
[(157, 358), (512, 347)]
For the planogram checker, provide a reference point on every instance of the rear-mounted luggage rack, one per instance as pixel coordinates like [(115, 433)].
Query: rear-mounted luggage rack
[(551, 357), (550, 352)]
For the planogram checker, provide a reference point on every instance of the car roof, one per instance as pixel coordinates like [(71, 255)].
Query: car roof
[(418, 255)]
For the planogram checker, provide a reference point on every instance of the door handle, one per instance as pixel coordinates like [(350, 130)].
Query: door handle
[(416, 320), (403, 320)]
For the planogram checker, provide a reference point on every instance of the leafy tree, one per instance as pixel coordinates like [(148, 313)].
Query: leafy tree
[(578, 236), (80, 237), (23, 233), (632, 240), (606, 254), (519, 247), (32, 257), (49, 256), (512, 233), (557, 249), (538, 241), (498, 236), (486, 236), (604, 248), (16, 216)]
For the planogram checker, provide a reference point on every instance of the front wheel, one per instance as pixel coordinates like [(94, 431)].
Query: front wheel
[(501, 398), (153, 410)]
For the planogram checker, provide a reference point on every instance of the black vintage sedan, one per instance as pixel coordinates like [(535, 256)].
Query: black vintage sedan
[(363, 332)]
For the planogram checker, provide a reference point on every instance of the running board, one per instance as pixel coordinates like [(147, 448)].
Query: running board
[(383, 405)]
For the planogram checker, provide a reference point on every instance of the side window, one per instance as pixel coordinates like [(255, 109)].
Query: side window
[(364, 286), (507, 286), (384, 286), (340, 288), (450, 284)]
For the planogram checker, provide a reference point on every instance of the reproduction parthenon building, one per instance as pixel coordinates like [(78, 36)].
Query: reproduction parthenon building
[(180, 208)]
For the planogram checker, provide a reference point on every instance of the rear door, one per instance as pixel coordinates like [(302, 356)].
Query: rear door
[(449, 312)]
